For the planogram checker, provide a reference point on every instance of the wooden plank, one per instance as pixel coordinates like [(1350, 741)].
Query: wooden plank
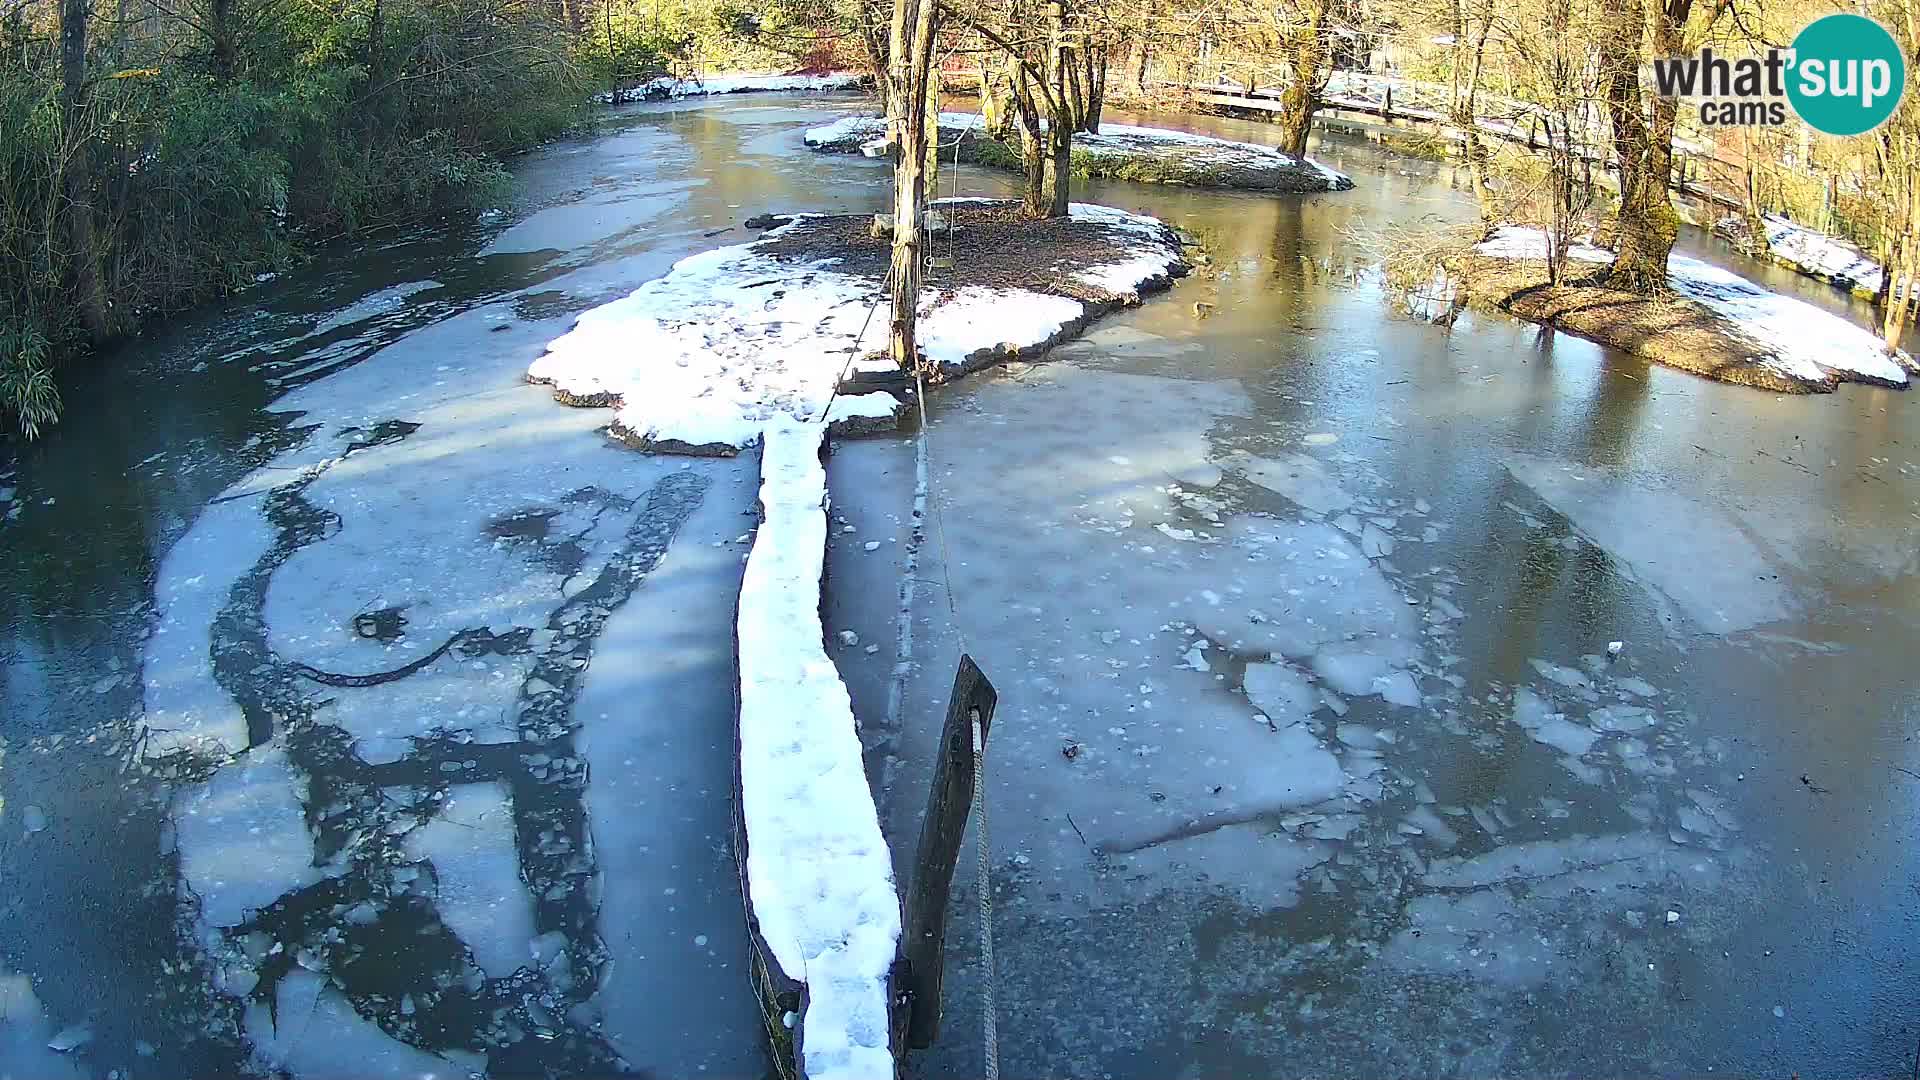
[(949, 802)]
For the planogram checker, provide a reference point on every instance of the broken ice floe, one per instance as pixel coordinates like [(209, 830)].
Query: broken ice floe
[(1706, 560), (243, 837), (481, 898)]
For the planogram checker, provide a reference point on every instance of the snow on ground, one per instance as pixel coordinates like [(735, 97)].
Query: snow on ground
[(667, 86), (1127, 140), (1806, 343), (701, 359), (1814, 253), (819, 875)]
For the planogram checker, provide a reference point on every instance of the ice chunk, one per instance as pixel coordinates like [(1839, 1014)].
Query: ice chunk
[(1550, 728), (243, 836), (1375, 542), (1300, 479), (1571, 678), (1687, 548), (1621, 718), (185, 707), (29, 1047), (319, 1036), (1280, 692), (1258, 865), (471, 844)]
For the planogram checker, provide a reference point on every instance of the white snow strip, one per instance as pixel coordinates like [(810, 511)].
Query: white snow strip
[(1806, 343), (733, 338), (818, 871)]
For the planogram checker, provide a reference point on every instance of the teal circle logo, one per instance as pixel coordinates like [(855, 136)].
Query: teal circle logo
[(1847, 75)]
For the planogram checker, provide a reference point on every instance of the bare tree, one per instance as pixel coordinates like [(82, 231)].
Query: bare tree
[(910, 54)]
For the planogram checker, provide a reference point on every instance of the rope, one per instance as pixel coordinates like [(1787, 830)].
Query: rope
[(826, 414), (983, 884), (989, 1011)]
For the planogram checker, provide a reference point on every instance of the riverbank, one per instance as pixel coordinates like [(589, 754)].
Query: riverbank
[(1808, 251), (671, 87), (1118, 151), (795, 323), (1714, 323)]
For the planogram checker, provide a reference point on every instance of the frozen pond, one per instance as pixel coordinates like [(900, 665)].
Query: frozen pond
[(1312, 755)]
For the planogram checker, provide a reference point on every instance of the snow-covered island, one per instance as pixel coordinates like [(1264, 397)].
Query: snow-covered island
[(794, 324), (1119, 151), (1714, 322), (669, 87)]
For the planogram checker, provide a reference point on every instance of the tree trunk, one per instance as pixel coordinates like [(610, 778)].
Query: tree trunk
[(1095, 60), (1146, 53), (1035, 200), (1466, 116), (1642, 141), (376, 47), (873, 40), (90, 294), (910, 49), (1301, 97), (932, 179), (1059, 169), (1076, 93), (221, 38), (1060, 124)]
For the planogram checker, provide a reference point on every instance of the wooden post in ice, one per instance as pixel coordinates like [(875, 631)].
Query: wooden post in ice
[(955, 772)]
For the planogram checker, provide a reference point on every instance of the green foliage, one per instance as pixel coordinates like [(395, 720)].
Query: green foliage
[(201, 183)]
